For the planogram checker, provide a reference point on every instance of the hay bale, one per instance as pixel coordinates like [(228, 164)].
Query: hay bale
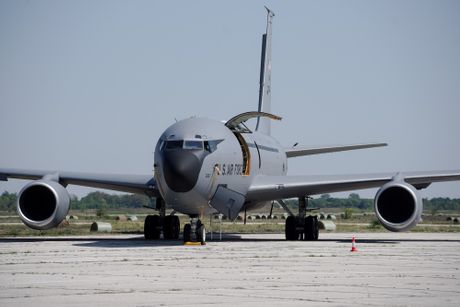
[(101, 227), (63, 224), (73, 217), (121, 218), (331, 217), (327, 225), (132, 218)]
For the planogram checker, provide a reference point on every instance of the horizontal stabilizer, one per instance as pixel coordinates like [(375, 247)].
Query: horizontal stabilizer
[(306, 151)]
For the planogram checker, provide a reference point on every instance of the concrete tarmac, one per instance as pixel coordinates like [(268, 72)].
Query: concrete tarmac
[(389, 269)]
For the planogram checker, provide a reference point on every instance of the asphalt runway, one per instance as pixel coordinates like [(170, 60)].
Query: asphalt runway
[(389, 269)]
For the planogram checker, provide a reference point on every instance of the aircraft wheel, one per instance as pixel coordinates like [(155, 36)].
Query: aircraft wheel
[(147, 227), (187, 232), (167, 227), (175, 227), (152, 227), (290, 228), (171, 227), (201, 234), (316, 229), (311, 228)]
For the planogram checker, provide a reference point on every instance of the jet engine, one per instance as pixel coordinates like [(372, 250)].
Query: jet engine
[(43, 204), (398, 206)]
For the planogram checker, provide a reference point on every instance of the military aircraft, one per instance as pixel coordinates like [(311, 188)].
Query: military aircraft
[(204, 166)]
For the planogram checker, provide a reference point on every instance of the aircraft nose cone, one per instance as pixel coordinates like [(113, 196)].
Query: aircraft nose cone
[(181, 169)]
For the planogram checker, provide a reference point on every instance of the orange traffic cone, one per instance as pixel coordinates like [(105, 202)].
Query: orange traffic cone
[(353, 245)]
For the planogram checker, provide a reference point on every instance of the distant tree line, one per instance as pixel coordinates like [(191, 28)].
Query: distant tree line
[(94, 200), (326, 201), (97, 200), (356, 202)]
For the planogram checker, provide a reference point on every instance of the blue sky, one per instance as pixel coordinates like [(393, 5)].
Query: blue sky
[(91, 85)]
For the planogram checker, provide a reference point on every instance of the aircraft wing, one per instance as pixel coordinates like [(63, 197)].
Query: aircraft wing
[(264, 188), (306, 151), (140, 184)]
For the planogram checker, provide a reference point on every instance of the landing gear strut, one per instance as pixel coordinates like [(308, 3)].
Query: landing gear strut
[(195, 231), (302, 227), (155, 224)]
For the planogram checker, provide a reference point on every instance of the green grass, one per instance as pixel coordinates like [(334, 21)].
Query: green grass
[(358, 223)]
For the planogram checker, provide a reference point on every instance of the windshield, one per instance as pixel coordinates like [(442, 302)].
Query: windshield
[(174, 144), (193, 145), (209, 146), (182, 145)]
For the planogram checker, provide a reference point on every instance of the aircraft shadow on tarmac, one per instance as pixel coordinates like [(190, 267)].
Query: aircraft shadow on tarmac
[(139, 241)]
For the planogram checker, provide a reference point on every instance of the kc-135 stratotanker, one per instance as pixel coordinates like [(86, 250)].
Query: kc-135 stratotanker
[(203, 166)]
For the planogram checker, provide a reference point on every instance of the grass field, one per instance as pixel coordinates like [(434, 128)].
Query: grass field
[(11, 225)]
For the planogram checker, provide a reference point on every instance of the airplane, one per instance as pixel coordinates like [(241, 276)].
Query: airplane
[(203, 166)]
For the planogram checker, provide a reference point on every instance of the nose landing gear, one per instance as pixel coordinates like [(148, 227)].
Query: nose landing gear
[(195, 231)]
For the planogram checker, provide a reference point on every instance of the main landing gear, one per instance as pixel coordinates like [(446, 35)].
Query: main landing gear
[(155, 224), (302, 227), (169, 225)]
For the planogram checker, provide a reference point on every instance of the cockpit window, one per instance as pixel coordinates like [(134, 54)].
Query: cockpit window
[(174, 144), (193, 145), (209, 146)]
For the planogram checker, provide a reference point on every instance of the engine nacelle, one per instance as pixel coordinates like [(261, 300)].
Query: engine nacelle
[(43, 204), (398, 206)]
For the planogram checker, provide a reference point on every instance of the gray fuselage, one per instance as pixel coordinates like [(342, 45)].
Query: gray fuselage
[(195, 156)]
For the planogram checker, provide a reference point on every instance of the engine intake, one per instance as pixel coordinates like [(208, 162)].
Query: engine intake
[(43, 204), (398, 206)]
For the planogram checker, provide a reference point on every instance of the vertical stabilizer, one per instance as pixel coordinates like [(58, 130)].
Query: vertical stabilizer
[(263, 124)]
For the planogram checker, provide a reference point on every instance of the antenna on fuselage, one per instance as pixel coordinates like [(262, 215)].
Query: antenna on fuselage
[(263, 124)]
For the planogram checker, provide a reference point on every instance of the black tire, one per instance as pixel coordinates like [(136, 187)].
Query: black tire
[(175, 227), (311, 228), (315, 228), (201, 234), (167, 227), (171, 227), (187, 232), (148, 227), (152, 227), (290, 229)]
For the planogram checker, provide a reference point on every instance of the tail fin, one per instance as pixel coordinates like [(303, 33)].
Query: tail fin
[(263, 124)]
